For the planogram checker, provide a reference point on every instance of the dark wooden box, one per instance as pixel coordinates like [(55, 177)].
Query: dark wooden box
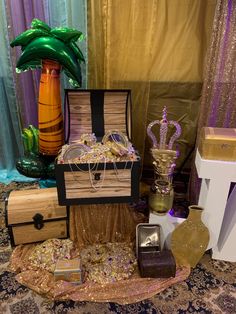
[(153, 263), (97, 111), (157, 264), (34, 215)]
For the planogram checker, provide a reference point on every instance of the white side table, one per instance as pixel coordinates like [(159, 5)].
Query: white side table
[(216, 179)]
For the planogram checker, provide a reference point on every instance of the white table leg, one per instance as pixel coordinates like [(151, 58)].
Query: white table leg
[(226, 248), (203, 192), (214, 205)]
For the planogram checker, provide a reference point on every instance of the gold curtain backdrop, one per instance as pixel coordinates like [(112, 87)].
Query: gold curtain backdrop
[(151, 47)]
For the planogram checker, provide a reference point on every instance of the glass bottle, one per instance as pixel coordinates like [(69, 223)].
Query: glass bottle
[(161, 197)]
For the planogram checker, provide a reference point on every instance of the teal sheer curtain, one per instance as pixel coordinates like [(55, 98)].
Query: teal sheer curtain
[(73, 14), (70, 13), (10, 139)]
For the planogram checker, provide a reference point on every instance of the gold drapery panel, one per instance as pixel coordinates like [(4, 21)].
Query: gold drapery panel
[(135, 44), (102, 223), (218, 99)]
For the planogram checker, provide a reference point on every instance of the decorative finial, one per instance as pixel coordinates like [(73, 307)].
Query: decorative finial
[(164, 124), (164, 114)]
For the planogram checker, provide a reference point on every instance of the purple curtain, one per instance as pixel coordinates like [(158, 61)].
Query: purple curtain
[(218, 101), (20, 15)]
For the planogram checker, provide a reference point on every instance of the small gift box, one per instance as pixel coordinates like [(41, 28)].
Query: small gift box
[(69, 270), (153, 263), (218, 144)]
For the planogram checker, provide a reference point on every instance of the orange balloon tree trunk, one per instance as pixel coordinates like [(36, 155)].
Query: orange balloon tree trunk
[(51, 132)]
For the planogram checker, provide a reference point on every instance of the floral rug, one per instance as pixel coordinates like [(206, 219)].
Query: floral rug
[(210, 288)]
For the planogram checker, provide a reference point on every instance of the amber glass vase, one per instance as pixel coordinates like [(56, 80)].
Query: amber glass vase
[(190, 239), (51, 132)]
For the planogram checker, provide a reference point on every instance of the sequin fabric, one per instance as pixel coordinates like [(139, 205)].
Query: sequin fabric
[(218, 99), (45, 255), (122, 291), (111, 262)]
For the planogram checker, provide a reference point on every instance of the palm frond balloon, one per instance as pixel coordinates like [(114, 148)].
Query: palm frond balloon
[(58, 44)]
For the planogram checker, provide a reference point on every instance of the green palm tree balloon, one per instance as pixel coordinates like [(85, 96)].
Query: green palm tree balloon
[(51, 50)]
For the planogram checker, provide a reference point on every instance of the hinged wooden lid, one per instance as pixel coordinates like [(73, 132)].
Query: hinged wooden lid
[(24, 204), (96, 111)]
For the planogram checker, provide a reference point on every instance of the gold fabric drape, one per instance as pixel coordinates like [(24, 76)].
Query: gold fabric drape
[(103, 223), (122, 292), (90, 224), (218, 101), (136, 44)]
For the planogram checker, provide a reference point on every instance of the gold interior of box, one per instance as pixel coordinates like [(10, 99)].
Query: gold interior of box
[(215, 135), (218, 144)]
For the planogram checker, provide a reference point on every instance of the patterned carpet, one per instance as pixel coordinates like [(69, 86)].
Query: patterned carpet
[(211, 288)]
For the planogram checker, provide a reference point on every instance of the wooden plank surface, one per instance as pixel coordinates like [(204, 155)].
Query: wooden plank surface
[(24, 204), (80, 112), (110, 191), (114, 175), (73, 184), (78, 184), (29, 234)]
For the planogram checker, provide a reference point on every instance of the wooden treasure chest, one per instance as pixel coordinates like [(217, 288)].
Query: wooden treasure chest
[(34, 215), (218, 144), (153, 262), (99, 114)]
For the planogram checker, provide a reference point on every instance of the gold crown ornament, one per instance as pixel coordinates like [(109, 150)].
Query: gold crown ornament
[(161, 194), (163, 153)]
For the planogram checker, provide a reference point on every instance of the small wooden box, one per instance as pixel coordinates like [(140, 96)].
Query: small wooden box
[(69, 270), (218, 144), (34, 215), (157, 264), (97, 111)]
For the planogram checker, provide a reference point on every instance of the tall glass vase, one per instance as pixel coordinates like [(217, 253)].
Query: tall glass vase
[(190, 239)]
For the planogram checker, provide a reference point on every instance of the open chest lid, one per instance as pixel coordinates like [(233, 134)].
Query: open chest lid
[(96, 111), (147, 238)]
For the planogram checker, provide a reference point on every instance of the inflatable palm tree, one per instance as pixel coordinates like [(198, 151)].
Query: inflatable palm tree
[(52, 50)]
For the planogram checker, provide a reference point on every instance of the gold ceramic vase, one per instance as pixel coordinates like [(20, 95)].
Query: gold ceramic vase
[(161, 197), (190, 239)]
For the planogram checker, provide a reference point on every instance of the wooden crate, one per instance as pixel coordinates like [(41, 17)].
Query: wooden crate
[(97, 111), (34, 215)]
